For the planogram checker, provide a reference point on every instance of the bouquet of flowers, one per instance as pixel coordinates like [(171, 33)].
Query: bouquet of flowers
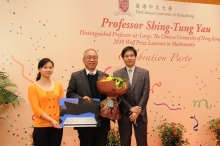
[(172, 134), (215, 128), (112, 87), (113, 138)]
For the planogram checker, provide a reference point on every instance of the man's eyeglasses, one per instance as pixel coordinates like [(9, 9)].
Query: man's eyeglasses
[(90, 58)]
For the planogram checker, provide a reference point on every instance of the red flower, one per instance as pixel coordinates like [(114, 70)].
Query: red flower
[(173, 129), (175, 133), (172, 123)]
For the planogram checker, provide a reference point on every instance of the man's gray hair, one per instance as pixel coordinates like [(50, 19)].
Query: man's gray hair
[(84, 55)]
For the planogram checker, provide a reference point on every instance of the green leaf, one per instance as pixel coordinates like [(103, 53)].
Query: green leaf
[(8, 91)]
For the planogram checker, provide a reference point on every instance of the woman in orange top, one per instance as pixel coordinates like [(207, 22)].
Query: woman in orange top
[(44, 97)]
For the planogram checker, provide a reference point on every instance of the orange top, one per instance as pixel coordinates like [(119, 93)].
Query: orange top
[(45, 101)]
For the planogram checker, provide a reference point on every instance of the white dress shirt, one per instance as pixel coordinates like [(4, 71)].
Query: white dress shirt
[(130, 73), (91, 73)]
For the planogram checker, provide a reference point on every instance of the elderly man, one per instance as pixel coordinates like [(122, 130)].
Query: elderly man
[(83, 85)]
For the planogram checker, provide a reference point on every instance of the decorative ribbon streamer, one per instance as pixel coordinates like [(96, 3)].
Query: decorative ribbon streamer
[(194, 117), (167, 106), (107, 68), (157, 84), (208, 107), (33, 117), (22, 69)]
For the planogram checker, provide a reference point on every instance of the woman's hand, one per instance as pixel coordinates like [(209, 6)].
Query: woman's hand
[(48, 118), (55, 124)]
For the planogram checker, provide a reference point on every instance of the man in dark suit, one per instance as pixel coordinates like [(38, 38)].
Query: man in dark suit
[(83, 85), (133, 103)]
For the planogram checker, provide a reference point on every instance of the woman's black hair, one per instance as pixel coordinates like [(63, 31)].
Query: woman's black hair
[(41, 63)]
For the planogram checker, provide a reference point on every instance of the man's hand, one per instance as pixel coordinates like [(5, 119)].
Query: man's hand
[(136, 109), (133, 117), (87, 98)]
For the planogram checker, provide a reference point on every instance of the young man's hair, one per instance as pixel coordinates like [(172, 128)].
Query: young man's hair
[(127, 49)]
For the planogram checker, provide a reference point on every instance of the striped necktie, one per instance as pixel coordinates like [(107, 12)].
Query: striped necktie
[(130, 75)]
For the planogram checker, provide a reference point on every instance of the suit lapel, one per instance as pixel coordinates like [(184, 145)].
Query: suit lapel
[(124, 75), (100, 74), (136, 75), (85, 80)]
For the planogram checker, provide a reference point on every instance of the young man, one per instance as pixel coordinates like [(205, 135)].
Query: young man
[(133, 103), (83, 85)]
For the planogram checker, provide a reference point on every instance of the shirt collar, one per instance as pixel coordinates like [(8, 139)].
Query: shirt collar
[(87, 71), (130, 68)]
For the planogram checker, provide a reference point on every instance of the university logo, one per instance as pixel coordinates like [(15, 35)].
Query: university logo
[(123, 6)]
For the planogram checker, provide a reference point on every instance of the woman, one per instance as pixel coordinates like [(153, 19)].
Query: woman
[(44, 97)]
